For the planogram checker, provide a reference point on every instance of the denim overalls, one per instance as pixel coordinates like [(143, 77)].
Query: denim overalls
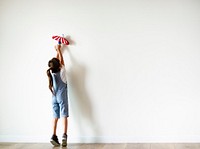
[(60, 97)]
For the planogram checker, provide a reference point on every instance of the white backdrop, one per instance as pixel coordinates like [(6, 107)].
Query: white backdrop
[(133, 69)]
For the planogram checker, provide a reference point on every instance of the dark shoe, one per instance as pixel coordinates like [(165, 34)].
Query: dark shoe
[(64, 140), (54, 140)]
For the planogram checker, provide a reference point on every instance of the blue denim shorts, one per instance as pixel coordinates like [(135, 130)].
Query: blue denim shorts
[(60, 104)]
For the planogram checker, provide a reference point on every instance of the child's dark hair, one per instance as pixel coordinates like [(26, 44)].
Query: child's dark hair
[(54, 66)]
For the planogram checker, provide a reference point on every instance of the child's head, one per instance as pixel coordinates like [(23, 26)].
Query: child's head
[(54, 65)]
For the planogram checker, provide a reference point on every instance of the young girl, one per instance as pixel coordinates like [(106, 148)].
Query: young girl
[(58, 86)]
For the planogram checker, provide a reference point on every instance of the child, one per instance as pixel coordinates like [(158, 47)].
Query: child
[(58, 86)]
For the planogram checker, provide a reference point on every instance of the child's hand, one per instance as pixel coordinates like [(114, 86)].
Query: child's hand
[(57, 47)]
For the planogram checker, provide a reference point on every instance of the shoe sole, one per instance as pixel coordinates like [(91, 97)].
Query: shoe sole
[(54, 143), (64, 143)]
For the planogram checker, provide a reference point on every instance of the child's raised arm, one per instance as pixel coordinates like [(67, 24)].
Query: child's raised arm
[(59, 54)]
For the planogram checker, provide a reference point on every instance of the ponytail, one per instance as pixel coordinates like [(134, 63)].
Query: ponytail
[(54, 67), (50, 80)]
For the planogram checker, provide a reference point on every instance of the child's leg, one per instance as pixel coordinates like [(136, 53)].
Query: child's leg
[(65, 124), (55, 121), (54, 138)]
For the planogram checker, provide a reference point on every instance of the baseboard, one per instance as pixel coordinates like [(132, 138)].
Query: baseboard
[(103, 139)]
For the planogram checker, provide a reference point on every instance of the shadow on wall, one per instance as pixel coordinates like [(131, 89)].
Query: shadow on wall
[(80, 101)]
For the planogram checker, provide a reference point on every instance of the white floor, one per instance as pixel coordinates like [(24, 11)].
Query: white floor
[(103, 146)]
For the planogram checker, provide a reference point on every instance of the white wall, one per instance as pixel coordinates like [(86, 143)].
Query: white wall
[(133, 69)]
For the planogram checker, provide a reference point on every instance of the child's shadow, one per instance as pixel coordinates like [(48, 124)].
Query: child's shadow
[(81, 102)]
